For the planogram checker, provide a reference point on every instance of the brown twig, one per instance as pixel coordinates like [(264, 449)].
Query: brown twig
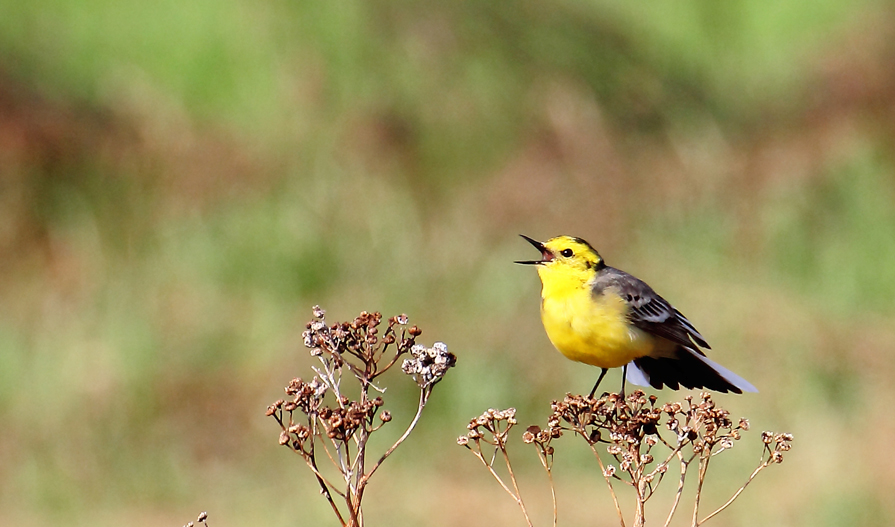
[(680, 486), (606, 475), (424, 398), (545, 456), (486, 428)]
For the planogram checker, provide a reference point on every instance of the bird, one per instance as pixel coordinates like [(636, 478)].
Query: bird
[(605, 317)]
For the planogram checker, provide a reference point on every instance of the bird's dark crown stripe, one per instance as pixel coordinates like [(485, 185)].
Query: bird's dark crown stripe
[(600, 264), (584, 242)]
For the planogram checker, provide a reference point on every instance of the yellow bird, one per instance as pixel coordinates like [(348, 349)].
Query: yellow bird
[(605, 317)]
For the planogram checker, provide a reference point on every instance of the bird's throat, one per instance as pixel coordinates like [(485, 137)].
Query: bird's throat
[(560, 282)]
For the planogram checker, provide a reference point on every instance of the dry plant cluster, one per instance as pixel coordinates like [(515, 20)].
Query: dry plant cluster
[(323, 425), (635, 441)]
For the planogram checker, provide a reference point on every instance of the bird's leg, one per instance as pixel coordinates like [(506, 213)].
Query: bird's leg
[(602, 374), (624, 378)]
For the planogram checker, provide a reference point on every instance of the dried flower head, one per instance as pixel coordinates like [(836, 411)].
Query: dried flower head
[(429, 365), (491, 427)]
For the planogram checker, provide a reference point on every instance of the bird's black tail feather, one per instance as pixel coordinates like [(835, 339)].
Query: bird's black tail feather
[(687, 368)]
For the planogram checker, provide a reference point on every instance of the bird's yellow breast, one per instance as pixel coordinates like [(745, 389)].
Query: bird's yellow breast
[(588, 328)]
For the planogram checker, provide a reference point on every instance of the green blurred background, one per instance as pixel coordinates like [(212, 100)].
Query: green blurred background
[(181, 181)]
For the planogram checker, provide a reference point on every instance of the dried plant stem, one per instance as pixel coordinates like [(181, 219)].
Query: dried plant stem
[(542, 456), (506, 459), (618, 509), (680, 486), (495, 475), (737, 493), (353, 510), (496, 425), (324, 488), (325, 449), (362, 477), (639, 511), (516, 498), (704, 457), (424, 398), (312, 464), (358, 466)]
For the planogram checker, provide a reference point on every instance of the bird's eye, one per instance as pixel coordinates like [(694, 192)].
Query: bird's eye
[(566, 252)]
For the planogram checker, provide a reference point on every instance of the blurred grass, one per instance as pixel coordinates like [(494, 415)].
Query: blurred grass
[(179, 183)]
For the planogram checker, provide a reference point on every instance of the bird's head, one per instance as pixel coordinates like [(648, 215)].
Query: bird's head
[(569, 256)]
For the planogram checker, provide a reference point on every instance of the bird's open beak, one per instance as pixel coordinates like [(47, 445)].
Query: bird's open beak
[(546, 255)]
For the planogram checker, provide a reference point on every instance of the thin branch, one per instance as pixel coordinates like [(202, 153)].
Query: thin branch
[(424, 398), (343, 467), (352, 510), (542, 456), (361, 436), (704, 459), (618, 509), (680, 487), (389, 365), (332, 460), (324, 488), (737, 493), (519, 501), (500, 481), (312, 464)]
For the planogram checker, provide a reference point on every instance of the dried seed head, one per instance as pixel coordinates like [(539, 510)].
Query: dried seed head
[(428, 365), (534, 433)]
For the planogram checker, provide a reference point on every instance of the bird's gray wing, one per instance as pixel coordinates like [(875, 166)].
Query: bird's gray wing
[(647, 310)]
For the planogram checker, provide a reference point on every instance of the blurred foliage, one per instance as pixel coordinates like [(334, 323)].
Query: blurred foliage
[(180, 182)]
